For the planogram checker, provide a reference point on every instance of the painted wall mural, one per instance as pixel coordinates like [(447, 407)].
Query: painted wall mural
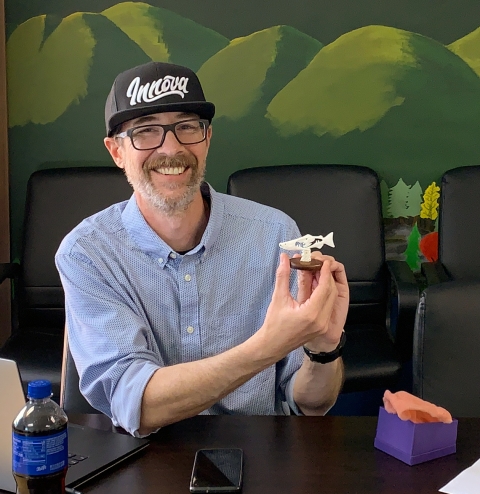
[(400, 102)]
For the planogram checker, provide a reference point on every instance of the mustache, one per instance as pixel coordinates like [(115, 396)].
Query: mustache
[(170, 161)]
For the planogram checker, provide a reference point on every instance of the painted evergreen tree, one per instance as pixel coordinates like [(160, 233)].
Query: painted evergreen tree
[(414, 200), (429, 206), (413, 248), (398, 198), (384, 194)]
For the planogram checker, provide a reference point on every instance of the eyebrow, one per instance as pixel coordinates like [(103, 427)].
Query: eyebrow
[(151, 118)]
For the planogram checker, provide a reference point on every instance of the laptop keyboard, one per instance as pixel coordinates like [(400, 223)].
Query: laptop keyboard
[(73, 459)]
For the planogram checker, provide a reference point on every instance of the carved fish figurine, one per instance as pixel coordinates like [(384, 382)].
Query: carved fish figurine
[(306, 243)]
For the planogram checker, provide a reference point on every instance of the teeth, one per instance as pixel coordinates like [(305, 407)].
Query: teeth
[(172, 170)]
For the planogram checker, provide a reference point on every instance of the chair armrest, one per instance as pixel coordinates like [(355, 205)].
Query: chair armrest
[(404, 297), (434, 273), (8, 270)]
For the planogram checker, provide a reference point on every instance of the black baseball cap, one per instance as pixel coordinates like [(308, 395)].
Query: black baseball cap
[(152, 88)]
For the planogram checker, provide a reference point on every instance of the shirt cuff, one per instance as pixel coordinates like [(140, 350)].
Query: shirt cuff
[(126, 406)]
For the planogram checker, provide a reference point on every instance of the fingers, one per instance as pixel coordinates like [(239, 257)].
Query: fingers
[(282, 279), (337, 268), (340, 275), (309, 316), (321, 257), (326, 284), (329, 303), (323, 299), (308, 281), (305, 287)]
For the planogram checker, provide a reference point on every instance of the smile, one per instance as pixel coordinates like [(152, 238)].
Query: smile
[(177, 170)]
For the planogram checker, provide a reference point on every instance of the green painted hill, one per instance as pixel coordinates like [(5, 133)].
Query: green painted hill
[(468, 49), (247, 74), (51, 62), (241, 80), (53, 69), (49, 70), (165, 36), (350, 84), (378, 96)]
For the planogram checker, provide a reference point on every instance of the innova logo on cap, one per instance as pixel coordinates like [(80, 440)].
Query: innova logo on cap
[(157, 89)]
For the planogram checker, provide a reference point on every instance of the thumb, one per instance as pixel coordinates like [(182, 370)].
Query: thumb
[(282, 279)]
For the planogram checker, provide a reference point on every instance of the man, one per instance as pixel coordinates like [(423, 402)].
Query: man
[(174, 302)]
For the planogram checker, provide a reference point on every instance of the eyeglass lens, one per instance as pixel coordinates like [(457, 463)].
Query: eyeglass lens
[(151, 136)]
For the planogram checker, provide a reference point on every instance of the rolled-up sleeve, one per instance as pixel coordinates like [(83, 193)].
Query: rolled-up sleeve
[(113, 347), (287, 371)]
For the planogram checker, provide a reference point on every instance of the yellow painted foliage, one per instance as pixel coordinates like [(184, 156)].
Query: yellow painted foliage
[(48, 74), (429, 206)]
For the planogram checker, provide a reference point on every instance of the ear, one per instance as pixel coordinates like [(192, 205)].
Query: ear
[(209, 137), (116, 150)]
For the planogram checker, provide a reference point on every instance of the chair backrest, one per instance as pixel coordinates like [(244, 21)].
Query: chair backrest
[(57, 200), (344, 199), (459, 236), (71, 399), (447, 346)]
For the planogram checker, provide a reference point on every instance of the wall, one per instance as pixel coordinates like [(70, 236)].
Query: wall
[(4, 203), (390, 85)]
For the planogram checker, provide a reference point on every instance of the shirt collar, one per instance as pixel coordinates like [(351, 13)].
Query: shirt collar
[(150, 243)]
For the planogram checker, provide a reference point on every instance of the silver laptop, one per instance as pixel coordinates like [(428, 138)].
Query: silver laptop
[(91, 451)]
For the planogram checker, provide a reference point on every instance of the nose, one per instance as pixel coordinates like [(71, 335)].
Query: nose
[(170, 145)]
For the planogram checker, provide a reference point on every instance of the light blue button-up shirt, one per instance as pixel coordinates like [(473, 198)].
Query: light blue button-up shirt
[(134, 305)]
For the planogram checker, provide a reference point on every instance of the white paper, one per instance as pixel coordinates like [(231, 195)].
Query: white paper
[(466, 482)]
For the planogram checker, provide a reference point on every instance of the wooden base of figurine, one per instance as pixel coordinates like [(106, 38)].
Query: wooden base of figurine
[(313, 265)]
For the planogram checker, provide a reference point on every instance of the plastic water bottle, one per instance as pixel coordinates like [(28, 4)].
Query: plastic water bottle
[(40, 443)]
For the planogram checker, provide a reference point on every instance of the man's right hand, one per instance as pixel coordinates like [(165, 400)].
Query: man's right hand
[(289, 324)]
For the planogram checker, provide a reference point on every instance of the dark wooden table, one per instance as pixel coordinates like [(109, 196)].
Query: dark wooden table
[(298, 455)]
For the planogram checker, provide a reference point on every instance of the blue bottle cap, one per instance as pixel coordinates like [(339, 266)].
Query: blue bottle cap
[(39, 389)]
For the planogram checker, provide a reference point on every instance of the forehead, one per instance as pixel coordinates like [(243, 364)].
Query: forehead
[(163, 118)]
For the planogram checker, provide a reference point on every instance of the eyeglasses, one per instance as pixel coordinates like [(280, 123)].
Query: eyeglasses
[(145, 137)]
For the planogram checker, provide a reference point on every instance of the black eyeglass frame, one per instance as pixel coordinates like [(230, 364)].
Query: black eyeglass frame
[(166, 128)]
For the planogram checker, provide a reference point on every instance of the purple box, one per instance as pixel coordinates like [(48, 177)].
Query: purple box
[(414, 443)]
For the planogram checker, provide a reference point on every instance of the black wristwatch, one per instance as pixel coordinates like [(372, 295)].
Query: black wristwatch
[(326, 357)]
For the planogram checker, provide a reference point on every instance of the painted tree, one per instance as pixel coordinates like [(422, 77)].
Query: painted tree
[(429, 206), (398, 198), (413, 246), (384, 194), (414, 200)]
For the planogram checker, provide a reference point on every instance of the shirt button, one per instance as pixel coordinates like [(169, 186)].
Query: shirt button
[(190, 330), (160, 260), (173, 255), (188, 277)]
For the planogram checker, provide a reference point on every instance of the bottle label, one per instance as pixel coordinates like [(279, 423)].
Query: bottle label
[(39, 455)]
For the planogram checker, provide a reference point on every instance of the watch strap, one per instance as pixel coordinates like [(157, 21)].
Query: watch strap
[(327, 357)]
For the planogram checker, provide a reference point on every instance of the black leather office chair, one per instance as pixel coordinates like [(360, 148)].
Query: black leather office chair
[(447, 347), (57, 200), (346, 200), (458, 234), (71, 399), (446, 338)]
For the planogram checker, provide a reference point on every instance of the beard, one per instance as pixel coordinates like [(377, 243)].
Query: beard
[(169, 205)]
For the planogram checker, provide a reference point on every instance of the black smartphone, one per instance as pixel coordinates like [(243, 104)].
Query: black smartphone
[(217, 470)]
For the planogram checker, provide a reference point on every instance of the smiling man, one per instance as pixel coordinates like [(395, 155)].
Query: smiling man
[(170, 311)]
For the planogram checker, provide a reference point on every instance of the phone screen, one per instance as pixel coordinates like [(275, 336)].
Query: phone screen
[(217, 470)]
